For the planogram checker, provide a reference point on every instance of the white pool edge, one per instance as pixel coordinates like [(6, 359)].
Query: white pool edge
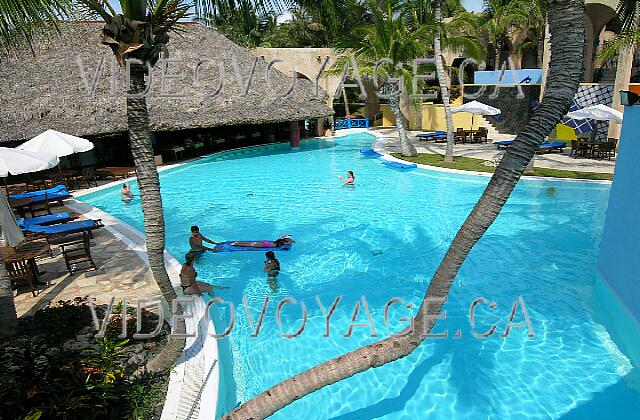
[(189, 395)]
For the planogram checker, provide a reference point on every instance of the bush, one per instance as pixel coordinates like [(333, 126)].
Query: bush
[(42, 377)]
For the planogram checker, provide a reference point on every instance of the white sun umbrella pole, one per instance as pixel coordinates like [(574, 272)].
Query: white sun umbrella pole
[(476, 108)]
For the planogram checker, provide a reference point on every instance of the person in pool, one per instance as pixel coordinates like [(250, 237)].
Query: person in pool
[(266, 244), (349, 180), (196, 241), (272, 268), (125, 193), (188, 282)]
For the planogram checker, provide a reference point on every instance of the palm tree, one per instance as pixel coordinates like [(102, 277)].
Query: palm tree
[(138, 35), (500, 17), (567, 28), (388, 36), (629, 37), (458, 34)]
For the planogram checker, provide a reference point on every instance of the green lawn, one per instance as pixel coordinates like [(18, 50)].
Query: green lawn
[(472, 164)]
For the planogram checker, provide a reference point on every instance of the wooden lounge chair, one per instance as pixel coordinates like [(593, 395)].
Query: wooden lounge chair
[(22, 272), (76, 250)]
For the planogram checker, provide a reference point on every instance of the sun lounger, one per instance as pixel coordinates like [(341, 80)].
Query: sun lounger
[(45, 220), (34, 194), (503, 144), (65, 228), (432, 135), (400, 166), (547, 147)]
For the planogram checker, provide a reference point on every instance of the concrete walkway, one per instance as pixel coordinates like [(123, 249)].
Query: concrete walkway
[(488, 151), (120, 274)]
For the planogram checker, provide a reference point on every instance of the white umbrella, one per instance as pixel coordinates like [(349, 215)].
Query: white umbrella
[(16, 162), (56, 143), (597, 112), (475, 107)]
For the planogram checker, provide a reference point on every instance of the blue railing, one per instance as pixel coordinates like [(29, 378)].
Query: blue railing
[(343, 123)]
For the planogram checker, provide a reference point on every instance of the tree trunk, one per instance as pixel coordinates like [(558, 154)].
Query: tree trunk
[(8, 317), (497, 63), (347, 111), (442, 80), (149, 183), (406, 147), (567, 24)]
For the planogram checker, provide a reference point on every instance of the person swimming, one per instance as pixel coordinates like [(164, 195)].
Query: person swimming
[(285, 240), (125, 193), (196, 241), (349, 180), (272, 268)]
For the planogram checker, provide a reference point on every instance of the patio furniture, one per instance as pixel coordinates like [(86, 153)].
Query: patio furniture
[(606, 149), (176, 151), (21, 205), (65, 228), (578, 148), (61, 217), (546, 147), (481, 135), (21, 272), (460, 135), (503, 144), (370, 153), (116, 171), (88, 177), (21, 261), (77, 250)]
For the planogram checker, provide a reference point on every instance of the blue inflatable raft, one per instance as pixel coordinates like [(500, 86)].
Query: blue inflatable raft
[(370, 153), (400, 166), (228, 247)]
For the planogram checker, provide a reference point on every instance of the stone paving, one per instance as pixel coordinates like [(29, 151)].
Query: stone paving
[(488, 151), (120, 273)]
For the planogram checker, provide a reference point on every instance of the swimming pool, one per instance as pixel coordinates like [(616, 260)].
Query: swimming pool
[(383, 239)]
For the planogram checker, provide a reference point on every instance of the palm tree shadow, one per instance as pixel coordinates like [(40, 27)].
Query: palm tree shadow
[(389, 406)]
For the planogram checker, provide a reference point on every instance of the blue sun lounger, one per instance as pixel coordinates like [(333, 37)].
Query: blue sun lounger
[(434, 135), (503, 144), (65, 228), (44, 220), (399, 165), (58, 192), (228, 247), (370, 153), (547, 147)]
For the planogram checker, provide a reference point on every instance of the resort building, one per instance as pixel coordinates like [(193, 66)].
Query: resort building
[(198, 98)]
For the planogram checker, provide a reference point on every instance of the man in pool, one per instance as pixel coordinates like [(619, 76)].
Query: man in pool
[(125, 193), (196, 241)]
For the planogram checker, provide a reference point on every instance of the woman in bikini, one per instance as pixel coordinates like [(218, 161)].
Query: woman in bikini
[(349, 180), (265, 244), (272, 268), (188, 278)]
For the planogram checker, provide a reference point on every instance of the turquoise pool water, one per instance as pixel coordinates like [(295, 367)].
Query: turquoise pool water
[(383, 239)]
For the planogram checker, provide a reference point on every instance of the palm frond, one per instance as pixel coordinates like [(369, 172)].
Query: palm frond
[(620, 42), (20, 18)]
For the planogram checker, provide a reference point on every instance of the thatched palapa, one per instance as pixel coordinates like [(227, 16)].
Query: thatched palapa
[(48, 90)]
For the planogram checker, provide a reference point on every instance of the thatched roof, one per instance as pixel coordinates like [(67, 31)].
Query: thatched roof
[(47, 91)]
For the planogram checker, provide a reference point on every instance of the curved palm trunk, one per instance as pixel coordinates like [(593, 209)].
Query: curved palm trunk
[(8, 316), (406, 148), (149, 182), (442, 80), (566, 23)]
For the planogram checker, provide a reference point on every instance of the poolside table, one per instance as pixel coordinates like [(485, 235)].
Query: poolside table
[(28, 252)]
